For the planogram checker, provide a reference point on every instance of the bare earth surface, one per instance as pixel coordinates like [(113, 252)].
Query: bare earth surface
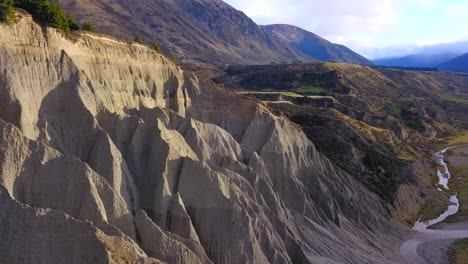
[(430, 246)]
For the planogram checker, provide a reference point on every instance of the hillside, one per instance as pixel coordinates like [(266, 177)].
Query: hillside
[(113, 154), (458, 64), (197, 31), (417, 60), (381, 126), (316, 46)]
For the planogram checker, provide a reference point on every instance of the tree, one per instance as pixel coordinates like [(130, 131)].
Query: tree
[(48, 13), (88, 27), (138, 39), (7, 12), (175, 59), (72, 23), (56, 17), (156, 47)]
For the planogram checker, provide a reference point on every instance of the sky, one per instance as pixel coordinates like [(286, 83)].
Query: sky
[(374, 28)]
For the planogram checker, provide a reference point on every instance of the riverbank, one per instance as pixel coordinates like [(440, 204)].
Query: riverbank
[(429, 245), (457, 162)]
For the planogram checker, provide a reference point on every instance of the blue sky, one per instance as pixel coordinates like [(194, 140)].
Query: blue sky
[(374, 28)]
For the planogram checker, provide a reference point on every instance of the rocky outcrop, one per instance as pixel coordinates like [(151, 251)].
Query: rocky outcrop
[(115, 134)]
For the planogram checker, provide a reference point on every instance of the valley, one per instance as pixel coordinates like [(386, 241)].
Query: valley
[(319, 97)]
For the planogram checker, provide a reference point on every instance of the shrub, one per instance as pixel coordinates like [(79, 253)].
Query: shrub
[(156, 47), (175, 59), (7, 12), (139, 39), (72, 23), (88, 27)]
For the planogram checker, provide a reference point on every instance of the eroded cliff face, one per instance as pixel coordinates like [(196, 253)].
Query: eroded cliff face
[(165, 167)]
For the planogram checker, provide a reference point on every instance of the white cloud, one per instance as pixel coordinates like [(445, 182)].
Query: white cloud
[(373, 28), (328, 18)]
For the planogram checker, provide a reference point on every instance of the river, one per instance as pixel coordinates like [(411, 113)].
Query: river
[(410, 251)]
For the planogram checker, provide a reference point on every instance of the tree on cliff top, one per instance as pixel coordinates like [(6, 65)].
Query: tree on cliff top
[(88, 27), (46, 12), (7, 12), (139, 39), (156, 47)]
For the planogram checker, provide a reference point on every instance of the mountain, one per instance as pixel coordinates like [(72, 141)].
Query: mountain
[(111, 153), (458, 64), (456, 47), (316, 46), (206, 31), (422, 60)]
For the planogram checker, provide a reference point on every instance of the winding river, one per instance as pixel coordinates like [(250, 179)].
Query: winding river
[(409, 251), (444, 178)]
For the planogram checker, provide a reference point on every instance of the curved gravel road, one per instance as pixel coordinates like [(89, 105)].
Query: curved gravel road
[(412, 252)]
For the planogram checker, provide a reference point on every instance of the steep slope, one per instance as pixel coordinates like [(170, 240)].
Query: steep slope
[(417, 60), (458, 64), (315, 46), (115, 134), (207, 31)]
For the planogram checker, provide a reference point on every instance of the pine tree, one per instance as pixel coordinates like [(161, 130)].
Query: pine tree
[(56, 17), (48, 13), (88, 27), (72, 23), (156, 47), (139, 39), (7, 12)]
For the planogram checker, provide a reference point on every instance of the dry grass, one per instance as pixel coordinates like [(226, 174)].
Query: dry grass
[(458, 252), (461, 138)]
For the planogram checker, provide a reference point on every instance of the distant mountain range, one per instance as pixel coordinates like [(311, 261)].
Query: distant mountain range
[(458, 64), (316, 46), (444, 57), (417, 60), (207, 32)]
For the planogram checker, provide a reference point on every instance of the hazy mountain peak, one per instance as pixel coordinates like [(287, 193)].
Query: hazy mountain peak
[(459, 64)]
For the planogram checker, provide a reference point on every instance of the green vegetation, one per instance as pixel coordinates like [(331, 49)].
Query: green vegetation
[(88, 27), (156, 47), (271, 96), (458, 252), (432, 210), (311, 89), (461, 138), (175, 59), (459, 184), (72, 23), (407, 113), (290, 108), (7, 12), (47, 12), (291, 94), (458, 99), (139, 39)]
